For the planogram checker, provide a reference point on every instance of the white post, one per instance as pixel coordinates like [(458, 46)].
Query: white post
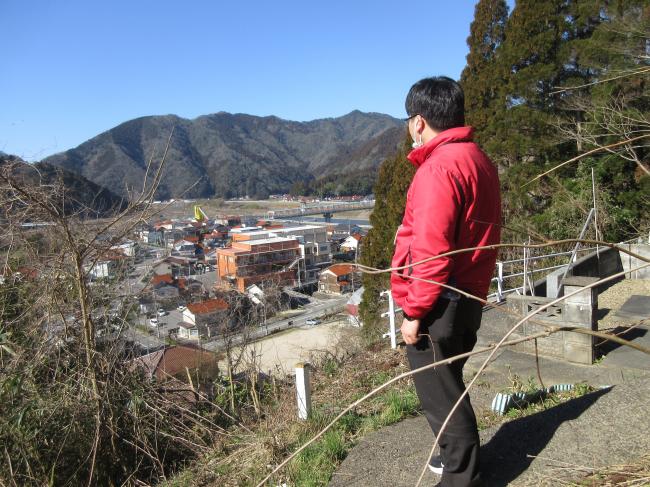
[(392, 332), (391, 318), (500, 281), (523, 292), (303, 390)]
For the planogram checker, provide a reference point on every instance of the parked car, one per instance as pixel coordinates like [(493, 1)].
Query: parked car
[(312, 322), (161, 312), (181, 308), (154, 322)]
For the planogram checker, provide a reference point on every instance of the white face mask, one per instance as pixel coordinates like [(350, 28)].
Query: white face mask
[(417, 141)]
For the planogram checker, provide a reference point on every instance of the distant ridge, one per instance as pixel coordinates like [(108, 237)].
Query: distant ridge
[(229, 155), (81, 196)]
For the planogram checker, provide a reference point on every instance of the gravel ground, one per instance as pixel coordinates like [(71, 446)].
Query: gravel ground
[(614, 297)]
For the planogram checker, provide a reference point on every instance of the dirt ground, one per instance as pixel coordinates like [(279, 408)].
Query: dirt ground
[(280, 352), (213, 207), (354, 214)]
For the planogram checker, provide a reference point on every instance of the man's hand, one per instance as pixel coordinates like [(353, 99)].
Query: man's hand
[(410, 331)]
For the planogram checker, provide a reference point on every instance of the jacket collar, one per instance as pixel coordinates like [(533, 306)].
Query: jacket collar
[(456, 134)]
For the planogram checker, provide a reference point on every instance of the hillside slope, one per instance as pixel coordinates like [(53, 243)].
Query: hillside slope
[(229, 155)]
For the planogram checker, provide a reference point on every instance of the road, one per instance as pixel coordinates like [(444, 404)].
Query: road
[(133, 285), (312, 311), (315, 311)]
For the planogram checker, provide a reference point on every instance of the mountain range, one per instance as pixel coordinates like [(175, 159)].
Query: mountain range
[(70, 193), (229, 155)]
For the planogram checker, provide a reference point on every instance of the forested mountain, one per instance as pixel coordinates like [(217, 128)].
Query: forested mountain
[(70, 192), (548, 82), (231, 155)]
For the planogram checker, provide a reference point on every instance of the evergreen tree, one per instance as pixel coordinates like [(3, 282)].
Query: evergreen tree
[(481, 77), (614, 45), (530, 57), (395, 175)]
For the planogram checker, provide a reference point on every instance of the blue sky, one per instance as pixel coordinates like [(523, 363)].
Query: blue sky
[(70, 69)]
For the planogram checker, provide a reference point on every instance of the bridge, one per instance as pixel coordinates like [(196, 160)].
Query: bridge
[(327, 209)]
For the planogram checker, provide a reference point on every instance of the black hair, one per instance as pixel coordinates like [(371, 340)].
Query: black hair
[(440, 100)]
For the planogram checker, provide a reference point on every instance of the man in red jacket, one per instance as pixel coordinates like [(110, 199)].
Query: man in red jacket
[(453, 203)]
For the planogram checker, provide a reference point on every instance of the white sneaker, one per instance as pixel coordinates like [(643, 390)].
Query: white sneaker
[(435, 465)]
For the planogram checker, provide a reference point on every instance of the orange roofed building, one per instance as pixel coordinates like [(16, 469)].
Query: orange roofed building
[(254, 260), (339, 279), (205, 318)]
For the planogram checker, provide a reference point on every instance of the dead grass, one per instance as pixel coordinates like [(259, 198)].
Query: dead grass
[(338, 378), (633, 474)]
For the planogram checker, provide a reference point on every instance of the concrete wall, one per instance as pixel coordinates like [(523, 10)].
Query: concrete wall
[(599, 264), (578, 311), (629, 262)]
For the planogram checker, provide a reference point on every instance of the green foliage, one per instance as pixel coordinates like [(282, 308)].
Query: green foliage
[(527, 124), (315, 465), (398, 404), (394, 178), (340, 184), (481, 77), (330, 366)]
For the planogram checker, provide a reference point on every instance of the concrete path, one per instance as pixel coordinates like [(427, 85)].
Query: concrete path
[(603, 428), (606, 427)]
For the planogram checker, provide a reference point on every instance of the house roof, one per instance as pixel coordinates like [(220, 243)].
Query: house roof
[(178, 260), (166, 278), (340, 269), (209, 306), (112, 255), (163, 364)]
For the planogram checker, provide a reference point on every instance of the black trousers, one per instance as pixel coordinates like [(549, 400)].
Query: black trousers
[(448, 330)]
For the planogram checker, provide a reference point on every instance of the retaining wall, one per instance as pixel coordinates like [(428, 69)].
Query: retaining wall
[(579, 310)]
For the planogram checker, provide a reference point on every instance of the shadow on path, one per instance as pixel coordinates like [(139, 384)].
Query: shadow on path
[(604, 347), (508, 453)]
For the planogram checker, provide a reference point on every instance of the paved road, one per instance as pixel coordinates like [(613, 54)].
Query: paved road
[(316, 311), (606, 427)]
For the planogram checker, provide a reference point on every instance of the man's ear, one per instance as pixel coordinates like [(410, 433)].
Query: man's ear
[(420, 124)]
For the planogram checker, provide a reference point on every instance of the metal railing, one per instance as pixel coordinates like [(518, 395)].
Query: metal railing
[(527, 272), (499, 279)]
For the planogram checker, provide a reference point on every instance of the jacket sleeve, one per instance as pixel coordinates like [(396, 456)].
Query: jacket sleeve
[(437, 200)]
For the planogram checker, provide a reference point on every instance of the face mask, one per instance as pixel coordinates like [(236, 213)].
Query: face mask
[(417, 143)]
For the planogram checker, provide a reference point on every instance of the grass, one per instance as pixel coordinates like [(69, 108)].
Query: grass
[(634, 475), (245, 456), (249, 453), (315, 465), (547, 402)]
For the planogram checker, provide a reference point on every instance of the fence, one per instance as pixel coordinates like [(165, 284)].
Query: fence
[(527, 272), (500, 279)]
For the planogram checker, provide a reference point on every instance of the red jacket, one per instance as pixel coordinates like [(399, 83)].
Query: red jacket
[(453, 203)]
